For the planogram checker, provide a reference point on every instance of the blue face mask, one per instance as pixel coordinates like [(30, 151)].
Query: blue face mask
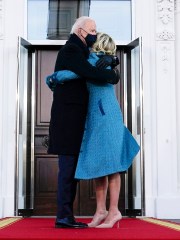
[(90, 39)]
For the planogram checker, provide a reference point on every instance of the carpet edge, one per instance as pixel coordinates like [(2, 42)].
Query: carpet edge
[(173, 226), (8, 221)]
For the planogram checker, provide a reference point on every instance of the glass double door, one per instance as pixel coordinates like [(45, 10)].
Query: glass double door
[(36, 171)]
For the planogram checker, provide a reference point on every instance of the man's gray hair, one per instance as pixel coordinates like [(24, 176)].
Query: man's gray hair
[(80, 23)]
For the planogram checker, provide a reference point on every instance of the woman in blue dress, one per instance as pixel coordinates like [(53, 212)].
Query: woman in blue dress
[(107, 148)]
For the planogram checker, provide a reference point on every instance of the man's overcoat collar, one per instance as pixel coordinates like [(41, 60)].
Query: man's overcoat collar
[(75, 39)]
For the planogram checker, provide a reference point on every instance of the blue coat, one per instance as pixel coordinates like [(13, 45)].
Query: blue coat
[(107, 146)]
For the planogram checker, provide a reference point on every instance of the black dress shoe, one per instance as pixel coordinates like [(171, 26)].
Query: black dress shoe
[(69, 222)]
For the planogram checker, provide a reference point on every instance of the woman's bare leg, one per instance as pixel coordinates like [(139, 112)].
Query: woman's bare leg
[(114, 214), (101, 186), (114, 191)]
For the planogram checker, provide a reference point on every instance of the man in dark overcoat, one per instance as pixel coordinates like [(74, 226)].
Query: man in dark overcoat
[(68, 113)]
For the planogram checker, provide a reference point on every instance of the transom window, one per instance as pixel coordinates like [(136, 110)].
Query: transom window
[(112, 17)]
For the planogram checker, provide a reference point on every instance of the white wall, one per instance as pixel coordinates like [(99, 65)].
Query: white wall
[(144, 15), (11, 22), (177, 74), (155, 23), (168, 200), (1, 97)]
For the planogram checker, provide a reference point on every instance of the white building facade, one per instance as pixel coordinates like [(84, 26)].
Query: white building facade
[(158, 23)]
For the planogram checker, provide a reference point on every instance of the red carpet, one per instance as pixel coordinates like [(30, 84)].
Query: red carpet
[(128, 228)]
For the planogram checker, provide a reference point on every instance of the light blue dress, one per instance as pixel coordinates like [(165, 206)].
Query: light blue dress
[(108, 146)]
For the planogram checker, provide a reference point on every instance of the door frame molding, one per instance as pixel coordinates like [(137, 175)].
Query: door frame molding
[(31, 46)]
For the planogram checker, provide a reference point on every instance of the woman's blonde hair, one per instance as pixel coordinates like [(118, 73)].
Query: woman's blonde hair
[(105, 44)]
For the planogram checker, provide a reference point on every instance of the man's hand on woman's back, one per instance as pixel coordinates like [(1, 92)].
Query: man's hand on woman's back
[(116, 80)]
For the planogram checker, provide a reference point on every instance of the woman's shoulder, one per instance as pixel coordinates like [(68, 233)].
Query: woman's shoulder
[(92, 58), (93, 55)]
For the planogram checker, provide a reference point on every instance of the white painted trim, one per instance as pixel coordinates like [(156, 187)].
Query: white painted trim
[(1, 19), (62, 42), (1, 99), (167, 207), (177, 74), (12, 29)]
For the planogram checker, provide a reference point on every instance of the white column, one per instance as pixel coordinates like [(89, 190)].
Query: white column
[(1, 98), (144, 26), (167, 200), (12, 22), (154, 21), (177, 55)]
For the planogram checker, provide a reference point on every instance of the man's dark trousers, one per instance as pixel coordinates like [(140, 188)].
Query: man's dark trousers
[(66, 185)]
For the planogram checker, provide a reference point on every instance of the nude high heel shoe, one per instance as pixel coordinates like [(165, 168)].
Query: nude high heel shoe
[(97, 220), (111, 223)]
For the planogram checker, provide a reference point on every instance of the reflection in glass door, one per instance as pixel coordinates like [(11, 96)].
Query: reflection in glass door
[(25, 130), (132, 107)]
